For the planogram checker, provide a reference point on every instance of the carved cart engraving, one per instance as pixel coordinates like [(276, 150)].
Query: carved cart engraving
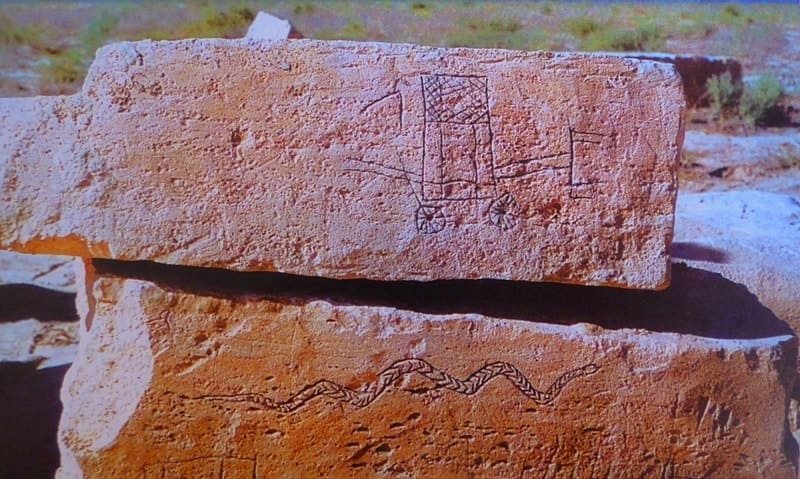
[(458, 162)]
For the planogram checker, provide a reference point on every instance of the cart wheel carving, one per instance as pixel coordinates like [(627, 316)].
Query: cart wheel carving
[(430, 219), (503, 212)]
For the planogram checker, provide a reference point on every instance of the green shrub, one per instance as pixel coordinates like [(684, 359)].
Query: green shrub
[(220, 24), (354, 30), (647, 37), (421, 9), (66, 68), (758, 103), (694, 28), (733, 15), (98, 32), (501, 25), (496, 33), (723, 95), (731, 10), (582, 27), (761, 102), (303, 9), (13, 34), (70, 66)]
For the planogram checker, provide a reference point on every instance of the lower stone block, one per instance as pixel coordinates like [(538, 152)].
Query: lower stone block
[(171, 384)]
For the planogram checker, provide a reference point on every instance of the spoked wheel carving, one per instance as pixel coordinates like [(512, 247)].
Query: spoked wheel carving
[(503, 212), (430, 219)]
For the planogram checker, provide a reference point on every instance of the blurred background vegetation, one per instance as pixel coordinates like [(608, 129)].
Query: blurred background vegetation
[(46, 47)]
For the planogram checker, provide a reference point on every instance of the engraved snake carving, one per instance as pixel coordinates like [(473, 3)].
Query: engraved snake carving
[(369, 392)]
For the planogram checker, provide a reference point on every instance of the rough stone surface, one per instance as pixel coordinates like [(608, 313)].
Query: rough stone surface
[(269, 27), (38, 321), (171, 384), (695, 70), (344, 160), (750, 237), (51, 272), (47, 344)]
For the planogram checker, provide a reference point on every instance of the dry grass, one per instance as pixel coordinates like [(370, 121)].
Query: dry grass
[(714, 28)]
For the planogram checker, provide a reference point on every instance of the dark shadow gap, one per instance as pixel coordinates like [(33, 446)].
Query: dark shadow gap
[(29, 412), (698, 252), (698, 302), (25, 301)]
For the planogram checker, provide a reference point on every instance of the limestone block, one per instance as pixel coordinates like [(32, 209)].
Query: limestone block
[(342, 159), (46, 344), (269, 27), (51, 272), (750, 237), (172, 384), (37, 309)]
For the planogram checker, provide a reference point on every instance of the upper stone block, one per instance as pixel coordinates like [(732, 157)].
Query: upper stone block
[(341, 159)]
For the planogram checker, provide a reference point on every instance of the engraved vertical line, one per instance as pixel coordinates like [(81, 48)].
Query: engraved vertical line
[(440, 179), (474, 163), (402, 109), (424, 132), (411, 183), (571, 158), (491, 133)]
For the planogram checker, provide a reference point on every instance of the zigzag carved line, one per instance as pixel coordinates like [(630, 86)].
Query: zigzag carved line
[(369, 392)]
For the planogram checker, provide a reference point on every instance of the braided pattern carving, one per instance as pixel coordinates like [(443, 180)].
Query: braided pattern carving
[(398, 369)]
